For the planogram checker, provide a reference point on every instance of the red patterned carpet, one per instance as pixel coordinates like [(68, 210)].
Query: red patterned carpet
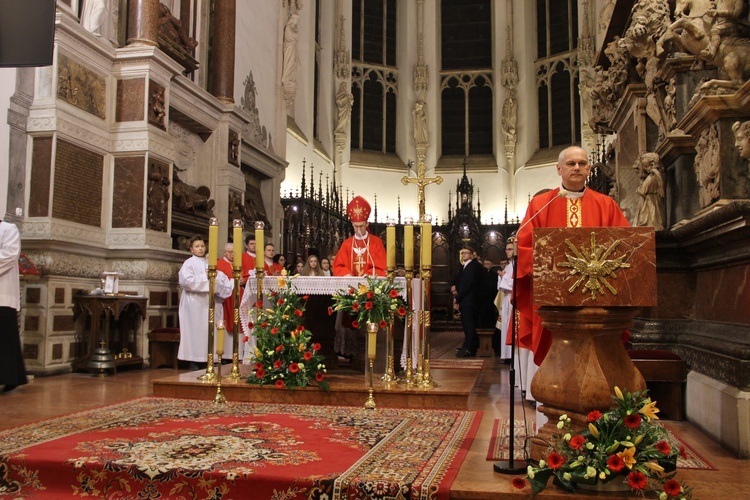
[(177, 448)]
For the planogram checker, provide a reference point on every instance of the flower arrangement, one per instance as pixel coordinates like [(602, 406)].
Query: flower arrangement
[(283, 353), (623, 444), (371, 302)]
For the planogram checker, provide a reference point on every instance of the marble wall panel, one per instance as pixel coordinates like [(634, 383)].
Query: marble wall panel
[(77, 195), (724, 294), (127, 192), (594, 267), (131, 95), (41, 168)]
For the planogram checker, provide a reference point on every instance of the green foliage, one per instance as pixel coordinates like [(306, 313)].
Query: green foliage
[(371, 302), (283, 353)]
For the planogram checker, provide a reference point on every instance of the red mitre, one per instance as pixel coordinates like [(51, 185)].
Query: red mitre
[(358, 209)]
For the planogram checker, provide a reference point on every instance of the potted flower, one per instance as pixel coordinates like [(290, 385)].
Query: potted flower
[(371, 302), (285, 355), (623, 446)]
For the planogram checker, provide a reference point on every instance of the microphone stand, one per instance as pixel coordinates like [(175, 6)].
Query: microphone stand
[(508, 466)]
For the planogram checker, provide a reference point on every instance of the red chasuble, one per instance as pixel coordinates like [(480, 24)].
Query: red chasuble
[(248, 264), (360, 257), (592, 210), (224, 266)]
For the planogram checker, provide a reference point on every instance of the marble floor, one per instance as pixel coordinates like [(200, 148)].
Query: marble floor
[(47, 397)]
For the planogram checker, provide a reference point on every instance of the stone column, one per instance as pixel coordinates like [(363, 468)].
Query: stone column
[(143, 22), (222, 52)]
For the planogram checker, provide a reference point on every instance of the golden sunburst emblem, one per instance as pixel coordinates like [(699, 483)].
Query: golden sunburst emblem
[(593, 266)]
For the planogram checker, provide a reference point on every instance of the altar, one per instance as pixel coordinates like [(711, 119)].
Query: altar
[(329, 330)]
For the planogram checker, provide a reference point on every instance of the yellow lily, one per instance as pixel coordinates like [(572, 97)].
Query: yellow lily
[(282, 283), (654, 467), (628, 457), (618, 392), (593, 430), (257, 353), (650, 410)]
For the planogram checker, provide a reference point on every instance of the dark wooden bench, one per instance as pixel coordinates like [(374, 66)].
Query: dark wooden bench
[(162, 347), (665, 374), (485, 342)]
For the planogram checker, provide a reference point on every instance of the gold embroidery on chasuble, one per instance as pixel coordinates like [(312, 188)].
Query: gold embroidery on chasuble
[(359, 255), (574, 212)]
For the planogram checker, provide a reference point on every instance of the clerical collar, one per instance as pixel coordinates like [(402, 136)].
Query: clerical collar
[(251, 254), (573, 194), (361, 238)]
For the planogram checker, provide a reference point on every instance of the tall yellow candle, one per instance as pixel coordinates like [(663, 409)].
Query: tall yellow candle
[(372, 344), (238, 244), (221, 331), (213, 241), (426, 244), (409, 246), (260, 246), (390, 245)]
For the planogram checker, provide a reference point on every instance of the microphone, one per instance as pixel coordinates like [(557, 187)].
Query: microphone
[(561, 194)]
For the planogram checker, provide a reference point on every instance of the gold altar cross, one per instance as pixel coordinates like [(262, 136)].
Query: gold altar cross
[(421, 181)]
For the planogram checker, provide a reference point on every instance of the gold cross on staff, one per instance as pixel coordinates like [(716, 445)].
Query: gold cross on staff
[(421, 181)]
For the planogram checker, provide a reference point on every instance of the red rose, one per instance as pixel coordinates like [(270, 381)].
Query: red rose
[(368, 305), (577, 442), (293, 368), (519, 483), (279, 348), (250, 325), (274, 330), (351, 291), (402, 311), (258, 365), (305, 297), (319, 376), (637, 480), (370, 295), (330, 311), (308, 355), (300, 328), (280, 302), (663, 447), (355, 306), (632, 421), (264, 324), (355, 324), (259, 304), (594, 416), (245, 338), (382, 323), (672, 488), (555, 460), (298, 313), (277, 364), (393, 293), (274, 293), (615, 463), (316, 346), (279, 383), (260, 373)]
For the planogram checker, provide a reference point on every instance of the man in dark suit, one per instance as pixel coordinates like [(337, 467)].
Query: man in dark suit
[(468, 299)]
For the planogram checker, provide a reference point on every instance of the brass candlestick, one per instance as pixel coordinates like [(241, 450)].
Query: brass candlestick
[(372, 333), (236, 274), (220, 398), (390, 373), (409, 373), (210, 375), (426, 381)]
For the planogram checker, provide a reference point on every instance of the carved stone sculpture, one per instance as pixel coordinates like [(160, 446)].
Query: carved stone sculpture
[(191, 199), (742, 138), (707, 166), (291, 58), (158, 196), (172, 30), (344, 102), (95, 17), (651, 190), (419, 115)]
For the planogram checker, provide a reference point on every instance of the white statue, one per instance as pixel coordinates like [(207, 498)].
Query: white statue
[(95, 17), (651, 207), (291, 57), (344, 102), (419, 115)]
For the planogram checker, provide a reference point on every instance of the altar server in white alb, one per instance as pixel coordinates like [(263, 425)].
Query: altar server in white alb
[(12, 370), (194, 304)]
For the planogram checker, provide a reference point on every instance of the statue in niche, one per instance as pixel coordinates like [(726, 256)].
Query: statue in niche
[(237, 210), (510, 120), (670, 93), (707, 166), (191, 199), (651, 190), (742, 138), (419, 115), (234, 148), (344, 102), (157, 107), (95, 17), (291, 57), (158, 196), (173, 30)]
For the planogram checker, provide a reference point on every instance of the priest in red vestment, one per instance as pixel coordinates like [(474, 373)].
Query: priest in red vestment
[(362, 254), (572, 205), (225, 265), (248, 258)]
